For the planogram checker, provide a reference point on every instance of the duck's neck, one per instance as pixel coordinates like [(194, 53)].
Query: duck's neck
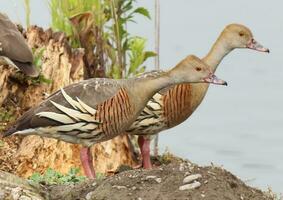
[(218, 51), (153, 85), (150, 86)]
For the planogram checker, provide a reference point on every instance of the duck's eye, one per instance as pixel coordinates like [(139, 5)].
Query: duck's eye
[(241, 34), (198, 69)]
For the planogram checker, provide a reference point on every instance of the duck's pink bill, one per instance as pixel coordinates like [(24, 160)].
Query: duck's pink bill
[(214, 80), (253, 44)]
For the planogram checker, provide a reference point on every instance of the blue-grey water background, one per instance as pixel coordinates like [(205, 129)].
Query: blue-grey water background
[(239, 126)]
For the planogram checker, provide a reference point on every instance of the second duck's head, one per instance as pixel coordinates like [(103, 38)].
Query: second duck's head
[(239, 36)]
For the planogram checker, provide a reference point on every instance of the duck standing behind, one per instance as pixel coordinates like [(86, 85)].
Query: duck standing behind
[(173, 105)]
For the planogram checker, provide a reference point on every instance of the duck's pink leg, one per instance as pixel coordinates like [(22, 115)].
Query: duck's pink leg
[(144, 144), (86, 159)]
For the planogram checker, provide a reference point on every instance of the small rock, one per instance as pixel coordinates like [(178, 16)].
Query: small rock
[(202, 195), (191, 178), (119, 187), (190, 186), (150, 177), (94, 184), (89, 195), (134, 188), (182, 167), (25, 198), (191, 168), (139, 198), (16, 192), (187, 174), (209, 172), (189, 164), (158, 180)]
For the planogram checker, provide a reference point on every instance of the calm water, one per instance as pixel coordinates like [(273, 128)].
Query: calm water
[(239, 126)]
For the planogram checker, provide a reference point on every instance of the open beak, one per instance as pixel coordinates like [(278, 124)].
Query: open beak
[(211, 78), (253, 44)]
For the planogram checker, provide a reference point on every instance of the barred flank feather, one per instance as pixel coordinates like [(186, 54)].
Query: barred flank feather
[(151, 118), (177, 104), (115, 111), (164, 110)]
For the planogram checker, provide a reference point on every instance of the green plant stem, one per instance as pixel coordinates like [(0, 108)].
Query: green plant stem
[(117, 36)]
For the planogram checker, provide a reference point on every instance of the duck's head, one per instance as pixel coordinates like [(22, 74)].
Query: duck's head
[(239, 36), (194, 70)]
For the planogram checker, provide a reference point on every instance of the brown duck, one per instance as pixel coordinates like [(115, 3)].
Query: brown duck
[(14, 47), (173, 105), (99, 109)]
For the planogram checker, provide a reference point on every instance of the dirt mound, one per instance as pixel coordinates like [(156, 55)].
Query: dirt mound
[(165, 182)]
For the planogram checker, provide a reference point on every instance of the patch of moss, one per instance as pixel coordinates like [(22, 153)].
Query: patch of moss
[(51, 177)]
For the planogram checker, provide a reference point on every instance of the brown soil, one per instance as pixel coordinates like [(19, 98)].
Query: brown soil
[(162, 183)]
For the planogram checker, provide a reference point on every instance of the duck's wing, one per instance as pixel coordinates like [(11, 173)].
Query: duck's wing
[(71, 105)]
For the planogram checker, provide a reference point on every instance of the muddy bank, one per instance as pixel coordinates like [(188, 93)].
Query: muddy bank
[(174, 179)]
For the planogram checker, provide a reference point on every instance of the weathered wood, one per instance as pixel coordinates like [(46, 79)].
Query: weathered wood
[(63, 66)]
